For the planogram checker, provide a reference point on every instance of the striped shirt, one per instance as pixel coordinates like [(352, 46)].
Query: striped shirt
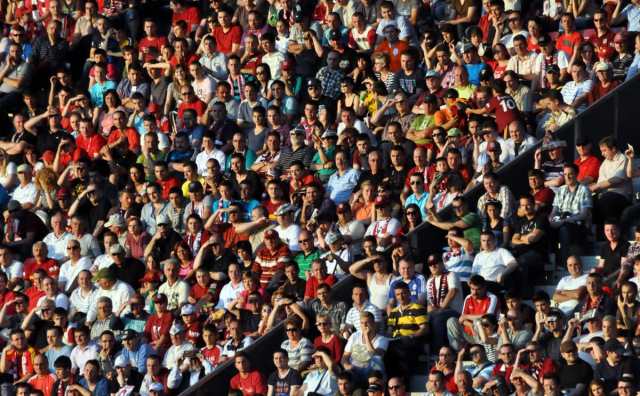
[(353, 316), (458, 262), (300, 355), (407, 321)]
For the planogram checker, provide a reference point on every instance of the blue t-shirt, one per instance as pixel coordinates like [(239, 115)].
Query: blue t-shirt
[(474, 69)]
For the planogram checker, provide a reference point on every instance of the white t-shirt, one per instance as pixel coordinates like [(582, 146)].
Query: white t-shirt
[(570, 283), (203, 157), (26, 194), (321, 382), (491, 264), (204, 88), (14, 270), (229, 293), (290, 236), (69, 272), (360, 355)]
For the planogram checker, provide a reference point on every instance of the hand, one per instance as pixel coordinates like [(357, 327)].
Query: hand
[(538, 155), (499, 279), (629, 153)]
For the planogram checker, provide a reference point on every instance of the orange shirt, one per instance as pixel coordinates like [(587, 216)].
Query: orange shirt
[(394, 52), (43, 383), (133, 138)]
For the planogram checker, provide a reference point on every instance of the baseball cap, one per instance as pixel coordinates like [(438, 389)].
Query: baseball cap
[(601, 66), (120, 362), (176, 328), (129, 334), (613, 345), (381, 201), (116, 249), (104, 273), (391, 24), (195, 186), (24, 168), (13, 205), (151, 276), (187, 309), (313, 82), (298, 131), (115, 219), (432, 74), (156, 387), (468, 47), (553, 69), (332, 237), (329, 133), (271, 234), (284, 209), (454, 132), (160, 298), (554, 144), (162, 219), (287, 64)]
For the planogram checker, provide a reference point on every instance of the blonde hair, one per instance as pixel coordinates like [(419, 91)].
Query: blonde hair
[(46, 177)]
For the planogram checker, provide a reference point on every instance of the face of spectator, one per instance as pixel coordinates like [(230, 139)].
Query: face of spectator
[(612, 232), (435, 384)]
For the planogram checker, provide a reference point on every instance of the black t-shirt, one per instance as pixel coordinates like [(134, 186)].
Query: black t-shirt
[(611, 374), (571, 376), (410, 83), (49, 140), (282, 386), (612, 257), (524, 226), (307, 63), (131, 272), (94, 213)]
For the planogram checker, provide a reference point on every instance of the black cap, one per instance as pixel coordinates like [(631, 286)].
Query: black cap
[(313, 82), (613, 346), (129, 334), (582, 140), (486, 75), (195, 186), (543, 40), (553, 69), (451, 94)]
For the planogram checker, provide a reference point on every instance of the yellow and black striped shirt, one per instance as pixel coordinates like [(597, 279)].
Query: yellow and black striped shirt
[(407, 321)]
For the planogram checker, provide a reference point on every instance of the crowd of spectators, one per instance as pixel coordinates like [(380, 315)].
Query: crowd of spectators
[(178, 181)]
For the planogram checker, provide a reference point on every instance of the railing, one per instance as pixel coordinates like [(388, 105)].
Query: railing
[(614, 114)]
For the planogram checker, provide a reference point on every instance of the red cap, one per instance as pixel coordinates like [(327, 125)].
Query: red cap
[(381, 201), (151, 276), (271, 234), (287, 65)]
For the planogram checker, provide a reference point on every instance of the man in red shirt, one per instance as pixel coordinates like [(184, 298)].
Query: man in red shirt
[(181, 12), (164, 180), (122, 138), (151, 43), (88, 141), (477, 304), (588, 164), (211, 351), (43, 380), (17, 357), (157, 328), (40, 259), (570, 40), (191, 101), (227, 36), (249, 382), (501, 104), (268, 261), (603, 37)]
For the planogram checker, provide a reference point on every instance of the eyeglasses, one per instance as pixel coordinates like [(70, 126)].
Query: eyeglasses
[(322, 323), (185, 93), (411, 213), (394, 387), (304, 240), (73, 247), (292, 330), (415, 183)]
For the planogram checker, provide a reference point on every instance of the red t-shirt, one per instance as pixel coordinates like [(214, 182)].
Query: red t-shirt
[(253, 384), (197, 105), (394, 52), (133, 138), (311, 287), (588, 167), (212, 354), (155, 42), (505, 109), (335, 346), (50, 265), (225, 41), (91, 145), (604, 44), (157, 326), (191, 15), (167, 185), (566, 41), (34, 295), (194, 332)]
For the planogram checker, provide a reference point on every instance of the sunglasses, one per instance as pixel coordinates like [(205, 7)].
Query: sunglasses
[(292, 330)]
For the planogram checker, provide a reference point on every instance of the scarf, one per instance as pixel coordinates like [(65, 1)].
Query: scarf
[(438, 299)]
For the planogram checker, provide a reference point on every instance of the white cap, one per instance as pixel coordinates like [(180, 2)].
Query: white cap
[(156, 387), (120, 362), (187, 309), (176, 328)]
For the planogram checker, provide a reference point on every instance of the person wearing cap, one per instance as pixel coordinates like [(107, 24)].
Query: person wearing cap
[(615, 365), (157, 327), (342, 183), (118, 292), (25, 192), (126, 269), (287, 229), (126, 376), (323, 159), (134, 350), (268, 257), (298, 150), (429, 116), (444, 300), (392, 46), (623, 57), (605, 82), (179, 345), (384, 227), (164, 238)]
